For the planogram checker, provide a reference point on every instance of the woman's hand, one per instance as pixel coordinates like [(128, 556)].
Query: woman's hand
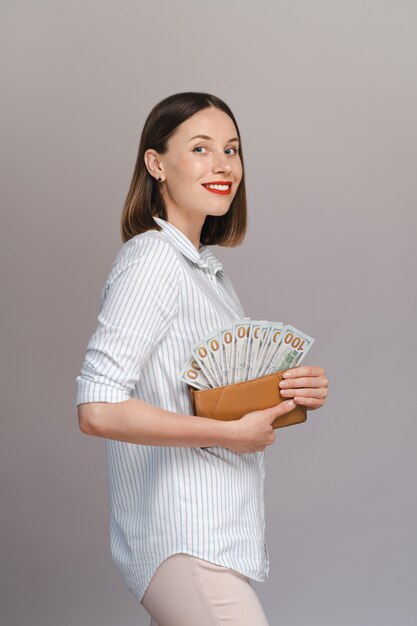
[(306, 384), (254, 431)]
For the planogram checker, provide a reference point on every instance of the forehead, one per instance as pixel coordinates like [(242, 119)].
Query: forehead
[(211, 121)]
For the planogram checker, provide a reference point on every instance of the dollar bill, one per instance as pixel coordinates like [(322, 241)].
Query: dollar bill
[(215, 349), (226, 342), (240, 332), (262, 348), (193, 375), (292, 349), (274, 339), (254, 342), (203, 353)]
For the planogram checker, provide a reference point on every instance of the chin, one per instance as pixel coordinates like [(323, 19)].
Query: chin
[(218, 213)]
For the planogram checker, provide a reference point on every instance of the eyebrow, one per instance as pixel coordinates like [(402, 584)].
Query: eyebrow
[(210, 138)]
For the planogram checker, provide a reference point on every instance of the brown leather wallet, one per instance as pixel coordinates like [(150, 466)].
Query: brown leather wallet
[(231, 402)]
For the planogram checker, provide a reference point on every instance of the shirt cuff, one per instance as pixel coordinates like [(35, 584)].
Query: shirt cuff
[(91, 391)]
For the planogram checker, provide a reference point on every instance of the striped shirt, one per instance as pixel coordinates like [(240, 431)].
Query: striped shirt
[(162, 296)]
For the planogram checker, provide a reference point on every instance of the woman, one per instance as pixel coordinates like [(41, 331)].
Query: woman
[(186, 493)]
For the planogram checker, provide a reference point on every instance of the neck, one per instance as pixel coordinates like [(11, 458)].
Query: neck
[(191, 227)]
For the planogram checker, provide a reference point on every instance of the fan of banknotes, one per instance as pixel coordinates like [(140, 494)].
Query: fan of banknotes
[(245, 350)]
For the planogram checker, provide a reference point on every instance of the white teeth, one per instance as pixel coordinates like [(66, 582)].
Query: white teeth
[(220, 187)]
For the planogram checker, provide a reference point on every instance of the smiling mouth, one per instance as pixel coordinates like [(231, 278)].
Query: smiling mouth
[(221, 188)]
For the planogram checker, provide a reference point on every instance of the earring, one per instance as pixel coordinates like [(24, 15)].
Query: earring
[(160, 179)]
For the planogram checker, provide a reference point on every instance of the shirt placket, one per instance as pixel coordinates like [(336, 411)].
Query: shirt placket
[(213, 280)]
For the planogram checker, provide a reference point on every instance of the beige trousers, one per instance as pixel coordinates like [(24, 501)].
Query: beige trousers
[(188, 591)]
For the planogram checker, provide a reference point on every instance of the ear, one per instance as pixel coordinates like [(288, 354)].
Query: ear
[(153, 164)]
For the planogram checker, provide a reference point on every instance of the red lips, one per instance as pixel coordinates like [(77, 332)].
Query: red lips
[(218, 182), (222, 192)]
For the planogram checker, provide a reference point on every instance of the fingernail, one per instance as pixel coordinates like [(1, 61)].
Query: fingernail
[(286, 375), (291, 403)]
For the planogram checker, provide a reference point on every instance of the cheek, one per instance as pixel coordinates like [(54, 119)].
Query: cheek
[(185, 176), (190, 170), (238, 169), (186, 165)]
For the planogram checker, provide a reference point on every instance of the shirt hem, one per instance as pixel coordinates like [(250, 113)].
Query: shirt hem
[(139, 589)]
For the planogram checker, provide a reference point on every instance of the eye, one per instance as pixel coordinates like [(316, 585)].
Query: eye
[(203, 148)]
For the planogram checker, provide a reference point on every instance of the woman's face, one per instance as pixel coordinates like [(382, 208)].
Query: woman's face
[(193, 161)]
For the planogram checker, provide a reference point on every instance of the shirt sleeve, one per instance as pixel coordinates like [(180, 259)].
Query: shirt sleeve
[(138, 304)]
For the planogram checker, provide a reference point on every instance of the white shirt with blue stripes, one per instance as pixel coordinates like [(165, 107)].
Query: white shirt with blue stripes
[(162, 296)]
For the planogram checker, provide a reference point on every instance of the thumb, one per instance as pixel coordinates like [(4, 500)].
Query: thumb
[(280, 409)]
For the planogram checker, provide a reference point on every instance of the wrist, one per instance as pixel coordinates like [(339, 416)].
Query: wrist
[(229, 432)]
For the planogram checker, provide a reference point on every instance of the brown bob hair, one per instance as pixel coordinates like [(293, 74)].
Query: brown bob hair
[(144, 199)]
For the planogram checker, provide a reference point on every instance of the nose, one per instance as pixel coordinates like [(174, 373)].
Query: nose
[(221, 163)]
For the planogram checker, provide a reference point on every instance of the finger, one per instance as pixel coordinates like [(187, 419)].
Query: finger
[(280, 409), (310, 381), (304, 370), (310, 392), (311, 403)]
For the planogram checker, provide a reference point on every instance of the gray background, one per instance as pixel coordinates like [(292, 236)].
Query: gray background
[(325, 94)]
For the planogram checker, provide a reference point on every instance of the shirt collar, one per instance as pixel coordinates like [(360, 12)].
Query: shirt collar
[(203, 257)]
